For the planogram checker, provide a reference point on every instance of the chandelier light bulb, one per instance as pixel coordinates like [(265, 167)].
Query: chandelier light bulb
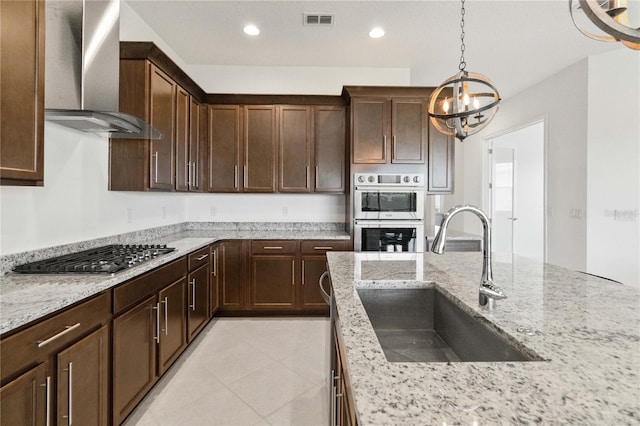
[(465, 99), (476, 103), (445, 105)]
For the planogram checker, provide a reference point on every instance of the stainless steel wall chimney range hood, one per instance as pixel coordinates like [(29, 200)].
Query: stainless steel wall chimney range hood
[(82, 60)]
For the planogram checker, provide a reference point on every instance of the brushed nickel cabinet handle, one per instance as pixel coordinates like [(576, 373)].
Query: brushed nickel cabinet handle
[(165, 301), (187, 173), (393, 145), (273, 247), (155, 178), (193, 295), (157, 309), (67, 329), (235, 176), (293, 272), (316, 179), (306, 177), (195, 173), (69, 417), (204, 256), (246, 181), (303, 272), (47, 409), (322, 248), (214, 266), (384, 147)]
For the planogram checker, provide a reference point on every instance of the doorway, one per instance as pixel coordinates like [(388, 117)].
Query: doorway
[(516, 191)]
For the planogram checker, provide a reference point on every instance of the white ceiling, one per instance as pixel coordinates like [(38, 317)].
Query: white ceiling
[(516, 43)]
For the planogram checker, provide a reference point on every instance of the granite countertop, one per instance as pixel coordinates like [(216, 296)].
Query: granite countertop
[(587, 329), (26, 298)]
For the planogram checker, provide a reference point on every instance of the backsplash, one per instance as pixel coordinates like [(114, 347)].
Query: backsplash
[(155, 236)]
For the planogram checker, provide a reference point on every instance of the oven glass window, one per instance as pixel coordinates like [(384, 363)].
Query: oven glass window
[(389, 239), (389, 202)]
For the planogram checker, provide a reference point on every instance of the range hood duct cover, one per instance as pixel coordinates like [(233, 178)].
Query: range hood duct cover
[(82, 69)]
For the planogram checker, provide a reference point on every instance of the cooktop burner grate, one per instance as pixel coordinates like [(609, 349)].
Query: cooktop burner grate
[(100, 260)]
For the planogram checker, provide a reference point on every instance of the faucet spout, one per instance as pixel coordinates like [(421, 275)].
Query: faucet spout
[(488, 290)]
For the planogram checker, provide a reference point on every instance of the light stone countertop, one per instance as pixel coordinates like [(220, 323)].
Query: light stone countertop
[(587, 329), (26, 298)]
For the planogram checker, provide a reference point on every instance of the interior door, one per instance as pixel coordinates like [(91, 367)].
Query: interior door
[(503, 183)]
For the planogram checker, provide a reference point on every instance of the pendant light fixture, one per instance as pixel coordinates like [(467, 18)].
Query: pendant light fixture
[(609, 16), (466, 102)]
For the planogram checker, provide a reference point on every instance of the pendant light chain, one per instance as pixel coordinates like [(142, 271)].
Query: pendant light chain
[(462, 64)]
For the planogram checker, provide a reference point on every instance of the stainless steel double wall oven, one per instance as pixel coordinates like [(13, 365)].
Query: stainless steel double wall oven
[(389, 212)]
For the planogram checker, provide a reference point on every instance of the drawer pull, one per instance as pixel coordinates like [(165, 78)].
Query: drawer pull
[(322, 248), (204, 256), (47, 410), (69, 417), (66, 330), (273, 248)]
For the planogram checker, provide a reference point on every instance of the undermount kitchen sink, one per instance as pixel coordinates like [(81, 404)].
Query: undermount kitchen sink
[(422, 325)]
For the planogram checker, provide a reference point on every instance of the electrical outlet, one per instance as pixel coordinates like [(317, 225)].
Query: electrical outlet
[(577, 214)]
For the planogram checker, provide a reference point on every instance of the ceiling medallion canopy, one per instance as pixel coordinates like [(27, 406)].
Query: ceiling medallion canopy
[(609, 16), (466, 102)]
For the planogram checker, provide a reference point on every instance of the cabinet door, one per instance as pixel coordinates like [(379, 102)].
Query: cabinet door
[(24, 400), (230, 268), (195, 147), (294, 149), (214, 302), (198, 297), (224, 148), (312, 268), (370, 130), (259, 148), (183, 166), (22, 94), (273, 281), (409, 130), (441, 162), (134, 356), (162, 116), (329, 149), (173, 324), (83, 381)]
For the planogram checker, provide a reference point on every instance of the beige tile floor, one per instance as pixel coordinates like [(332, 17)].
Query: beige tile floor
[(245, 371)]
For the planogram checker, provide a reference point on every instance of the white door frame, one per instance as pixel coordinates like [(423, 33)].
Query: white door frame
[(486, 170)]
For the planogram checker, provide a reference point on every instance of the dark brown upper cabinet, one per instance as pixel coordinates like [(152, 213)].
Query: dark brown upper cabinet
[(182, 120), (141, 164), (441, 162), (389, 130), (259, 148), (22, 94), (329, 123), (225, 135), (294, 144)]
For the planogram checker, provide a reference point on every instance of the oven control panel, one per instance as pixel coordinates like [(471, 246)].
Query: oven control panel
[(388, 179)]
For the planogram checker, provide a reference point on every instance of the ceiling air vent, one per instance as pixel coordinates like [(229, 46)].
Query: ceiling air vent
[(323, 19)]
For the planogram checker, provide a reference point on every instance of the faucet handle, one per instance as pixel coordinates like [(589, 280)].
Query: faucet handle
[(492, 291)]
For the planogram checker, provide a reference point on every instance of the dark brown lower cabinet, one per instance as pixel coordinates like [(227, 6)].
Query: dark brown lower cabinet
[(173, 324), (231, 264), (273, 281), (198, 300), (83, 381), (134, 356), (313, 266), (345, 413), (23, 401), (214, 281)]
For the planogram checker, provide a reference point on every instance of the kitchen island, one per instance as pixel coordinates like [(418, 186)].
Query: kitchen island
[(586, 329)]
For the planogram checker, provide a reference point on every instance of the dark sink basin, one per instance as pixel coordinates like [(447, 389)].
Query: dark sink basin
[(422, 325)]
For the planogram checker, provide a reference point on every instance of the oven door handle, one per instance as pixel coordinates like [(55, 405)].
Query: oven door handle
[(389, 223)]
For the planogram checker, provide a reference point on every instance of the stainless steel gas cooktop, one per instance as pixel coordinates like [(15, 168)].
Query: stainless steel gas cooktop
[(100, 260)]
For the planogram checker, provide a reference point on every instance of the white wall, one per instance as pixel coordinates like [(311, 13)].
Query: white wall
[(562, 101), (613, 182), (74, 204)]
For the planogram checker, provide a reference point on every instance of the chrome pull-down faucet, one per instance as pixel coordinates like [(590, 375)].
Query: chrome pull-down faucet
[(489, 292)]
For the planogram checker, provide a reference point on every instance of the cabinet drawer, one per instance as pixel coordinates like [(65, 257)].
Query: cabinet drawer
[(198, 258), (274, 247), (34, 344), (321, 246), (132, 291)]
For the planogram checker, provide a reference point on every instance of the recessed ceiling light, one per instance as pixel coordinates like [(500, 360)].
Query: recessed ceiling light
[(376, 32), (251, 30)]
